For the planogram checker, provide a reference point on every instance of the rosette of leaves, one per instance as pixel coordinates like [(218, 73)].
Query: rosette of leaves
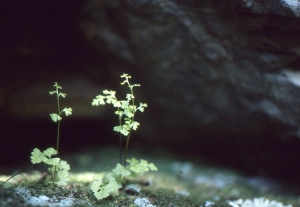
[(59, 169), (110, 183)]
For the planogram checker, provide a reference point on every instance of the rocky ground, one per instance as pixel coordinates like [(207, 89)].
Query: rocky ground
[(180, 181)]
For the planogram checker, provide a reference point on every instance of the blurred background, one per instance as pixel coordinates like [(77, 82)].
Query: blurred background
[(221, 78)]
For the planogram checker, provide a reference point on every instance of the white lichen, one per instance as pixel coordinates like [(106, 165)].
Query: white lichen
[(257, 202)]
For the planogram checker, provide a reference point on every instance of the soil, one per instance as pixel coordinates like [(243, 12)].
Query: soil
[(179, 182)]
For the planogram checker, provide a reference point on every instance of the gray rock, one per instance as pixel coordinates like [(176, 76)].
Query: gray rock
[(132, 189), (217, 79)]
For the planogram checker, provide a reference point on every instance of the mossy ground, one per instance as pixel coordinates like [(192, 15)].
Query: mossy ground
[(177, 183)]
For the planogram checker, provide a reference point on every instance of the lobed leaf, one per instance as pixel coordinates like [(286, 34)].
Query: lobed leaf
[(62, 181), (64, 165), (99, 100), (117, 104), (68, 111), (103, 186), (129, 96), (125, 75), (140, 167), (119, 170), (122, 129), (62, 94), (55, 117), (52, 161), (37, 156), (57, 86), (49, 152), (134, 125)]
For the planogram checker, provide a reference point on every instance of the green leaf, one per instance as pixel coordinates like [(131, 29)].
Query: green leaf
[(125, 104), (64, 165), (99, 100), (52, 92), (117, 104), (125, 76), (37, 156), (111, 100), (120, 113), (119, 170), (49, 152), (52, 161), (57, 86), (62, 94), (128, 113), (122, 129), (142, 107), (129, 96), (141, 167), (103, 186), (62, 181), (134, 125), (68, 111), (111, 93), (55, 117)]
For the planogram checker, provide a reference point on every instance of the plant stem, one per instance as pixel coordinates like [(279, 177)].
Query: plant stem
[(120, 137), (58, 122), (128, 137)]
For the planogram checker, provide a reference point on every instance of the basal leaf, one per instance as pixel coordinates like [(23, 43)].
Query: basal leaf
[(103, 186), (52, 161), (64, 165), (63, 174), (120, 170), (141, 167), (37, 156), (49, 152), (97, 183), (62, 181)]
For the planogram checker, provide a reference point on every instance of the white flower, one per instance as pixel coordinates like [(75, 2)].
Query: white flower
[(257, 202)]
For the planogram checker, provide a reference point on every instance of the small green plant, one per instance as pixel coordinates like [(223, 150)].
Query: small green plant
[(125, 109), (58, 168), (109, 184)]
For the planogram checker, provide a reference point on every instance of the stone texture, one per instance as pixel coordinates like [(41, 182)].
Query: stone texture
[(219, 78)]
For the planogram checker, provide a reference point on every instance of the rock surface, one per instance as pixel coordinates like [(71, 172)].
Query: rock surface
[(220, 77)]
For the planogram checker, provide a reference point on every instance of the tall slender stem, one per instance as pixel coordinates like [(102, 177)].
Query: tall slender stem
[(120, 137), (128, 137), (58, 122)]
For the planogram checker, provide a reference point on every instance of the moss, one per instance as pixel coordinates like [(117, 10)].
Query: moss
[(174, 184)]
